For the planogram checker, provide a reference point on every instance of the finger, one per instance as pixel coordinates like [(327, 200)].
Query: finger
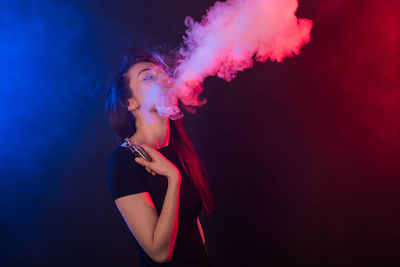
[(141, 161), (150, 171)]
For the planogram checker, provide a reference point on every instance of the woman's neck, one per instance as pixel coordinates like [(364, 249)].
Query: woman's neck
[(154, 132)]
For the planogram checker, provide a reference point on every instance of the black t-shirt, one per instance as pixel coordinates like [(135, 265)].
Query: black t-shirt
[(126, 177)]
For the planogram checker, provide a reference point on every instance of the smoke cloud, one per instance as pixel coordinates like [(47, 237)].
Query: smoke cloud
[(230, 37)]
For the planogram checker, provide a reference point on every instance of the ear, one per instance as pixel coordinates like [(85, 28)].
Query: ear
[(132, 104)]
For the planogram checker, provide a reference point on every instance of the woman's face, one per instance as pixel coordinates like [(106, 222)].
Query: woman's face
[(145, 76)]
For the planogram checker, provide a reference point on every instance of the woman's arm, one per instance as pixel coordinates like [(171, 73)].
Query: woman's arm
[(155, 234), (167, 224), (201, 231)]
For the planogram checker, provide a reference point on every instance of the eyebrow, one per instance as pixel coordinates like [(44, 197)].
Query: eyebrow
[(142, 71)]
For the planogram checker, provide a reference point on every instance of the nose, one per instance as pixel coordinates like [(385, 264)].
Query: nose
[(167, 81), (163, 77)]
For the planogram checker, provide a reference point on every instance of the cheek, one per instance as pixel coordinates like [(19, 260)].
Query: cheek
[(141, 91), (148, 94)]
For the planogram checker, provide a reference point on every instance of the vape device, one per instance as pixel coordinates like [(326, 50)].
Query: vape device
[(137, 149)]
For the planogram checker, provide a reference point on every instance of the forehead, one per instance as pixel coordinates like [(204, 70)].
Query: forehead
[(135, 69)]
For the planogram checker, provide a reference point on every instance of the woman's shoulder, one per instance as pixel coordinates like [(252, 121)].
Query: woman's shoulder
[(123, 157), (121, 150), (125, 176)]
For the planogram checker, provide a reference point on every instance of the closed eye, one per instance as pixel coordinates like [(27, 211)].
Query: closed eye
[(148, 76)]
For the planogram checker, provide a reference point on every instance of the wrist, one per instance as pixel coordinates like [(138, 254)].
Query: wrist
[(174, 177)]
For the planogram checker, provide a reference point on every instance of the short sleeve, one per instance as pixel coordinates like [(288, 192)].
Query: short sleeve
[(125, 176)]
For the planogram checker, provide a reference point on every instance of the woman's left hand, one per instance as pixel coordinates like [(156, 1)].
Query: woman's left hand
[(159, 164)]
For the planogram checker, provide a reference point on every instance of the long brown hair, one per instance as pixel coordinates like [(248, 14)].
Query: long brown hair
[(123, 124)]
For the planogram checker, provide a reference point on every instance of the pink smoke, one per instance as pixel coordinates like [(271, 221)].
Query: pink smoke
[(230, 35)]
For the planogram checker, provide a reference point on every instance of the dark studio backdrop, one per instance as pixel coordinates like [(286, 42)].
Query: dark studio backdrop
[(305, 152)]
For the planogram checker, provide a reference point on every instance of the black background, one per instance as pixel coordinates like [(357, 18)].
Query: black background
[(305, 152)]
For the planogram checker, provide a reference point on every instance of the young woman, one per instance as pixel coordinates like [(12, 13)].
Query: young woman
[(160, 200)]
